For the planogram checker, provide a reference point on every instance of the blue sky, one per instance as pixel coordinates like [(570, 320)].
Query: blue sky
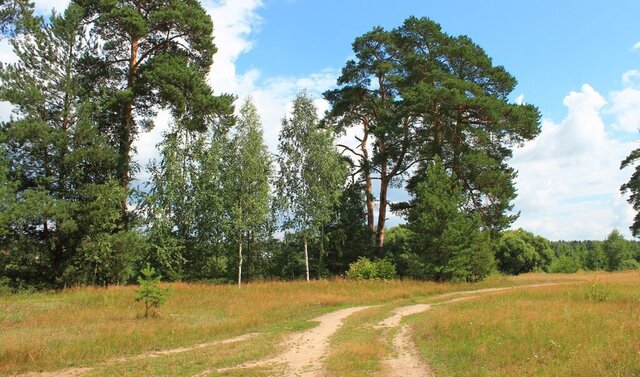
[(578, 61), (551, 47)]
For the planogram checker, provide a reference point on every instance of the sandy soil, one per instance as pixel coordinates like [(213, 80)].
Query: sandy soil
[(406, 360), (305, 350), (79, 371)]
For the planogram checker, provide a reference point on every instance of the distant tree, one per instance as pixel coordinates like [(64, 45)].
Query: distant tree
[(247, 181), (446, 243), (311, 173), (7, 197), (616, 251), (565, 264), (543, 248), (398, 246), (414, 94), (515, 255), (595, 258), (520, 251)]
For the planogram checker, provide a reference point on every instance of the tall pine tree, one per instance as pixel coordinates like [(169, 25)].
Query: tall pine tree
[(62, 228), (153, 54), (415, 93)]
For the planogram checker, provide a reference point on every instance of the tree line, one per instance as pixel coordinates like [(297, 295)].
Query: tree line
[(429, 111)]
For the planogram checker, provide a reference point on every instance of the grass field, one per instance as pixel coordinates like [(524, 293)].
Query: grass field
[(553, 330)]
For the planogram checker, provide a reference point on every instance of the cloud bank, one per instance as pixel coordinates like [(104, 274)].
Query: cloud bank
[(569, 177)]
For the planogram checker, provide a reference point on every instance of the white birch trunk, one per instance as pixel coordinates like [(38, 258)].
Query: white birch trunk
[(240, 261), (306, 258)]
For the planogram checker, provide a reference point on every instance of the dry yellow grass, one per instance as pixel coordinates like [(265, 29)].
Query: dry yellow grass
[(545, 331), (87, 326)]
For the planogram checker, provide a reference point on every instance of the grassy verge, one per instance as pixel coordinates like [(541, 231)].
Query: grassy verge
[(88, 326), (547, 331)]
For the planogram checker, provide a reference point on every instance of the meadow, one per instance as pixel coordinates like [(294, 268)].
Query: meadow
[(570, 328)]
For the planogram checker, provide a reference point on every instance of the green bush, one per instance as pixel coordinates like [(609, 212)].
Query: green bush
[(630, 264), (150, 292), (5, 288), (565, 264), (365, 269), (598, 291)]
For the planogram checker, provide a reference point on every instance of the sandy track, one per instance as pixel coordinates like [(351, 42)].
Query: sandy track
[(406, 360), (305, 350), (79, 371)]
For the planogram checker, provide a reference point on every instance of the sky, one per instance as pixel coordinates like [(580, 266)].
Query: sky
[(578, 61)]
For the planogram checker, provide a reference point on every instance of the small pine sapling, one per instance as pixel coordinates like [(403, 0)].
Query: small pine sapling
[(150, 292)]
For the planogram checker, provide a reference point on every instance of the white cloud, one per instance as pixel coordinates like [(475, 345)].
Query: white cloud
[(520, 99), (44, 7), (636, 46), (625, 104), (569, 178), (235, 22)]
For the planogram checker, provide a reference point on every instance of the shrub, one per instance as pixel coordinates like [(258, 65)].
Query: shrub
[(565, 264), (598, 291), (365, 269), (150, 292), (630, 264)]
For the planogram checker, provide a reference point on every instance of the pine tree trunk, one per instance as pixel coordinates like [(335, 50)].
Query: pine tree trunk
[(126, 132), (306, 258), (367, 179), (382, 211), (382, 214)]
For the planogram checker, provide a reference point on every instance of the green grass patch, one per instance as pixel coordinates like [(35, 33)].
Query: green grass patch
[(547, 331)]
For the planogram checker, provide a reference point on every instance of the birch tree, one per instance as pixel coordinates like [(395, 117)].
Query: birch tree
[(247, 181), (311, 173)]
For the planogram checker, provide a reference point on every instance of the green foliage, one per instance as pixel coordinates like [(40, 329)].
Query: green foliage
[(616, 251), (446, 243), (565, 264), (633, 188), (519, 251), (397, 245), (366, 269), (60, 203), (629, 264), (108, 259), (416, 94), (155, 55), (150, 293), (346, 235), (185, 206), (246, 183), (15, 16), (311, 173)]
